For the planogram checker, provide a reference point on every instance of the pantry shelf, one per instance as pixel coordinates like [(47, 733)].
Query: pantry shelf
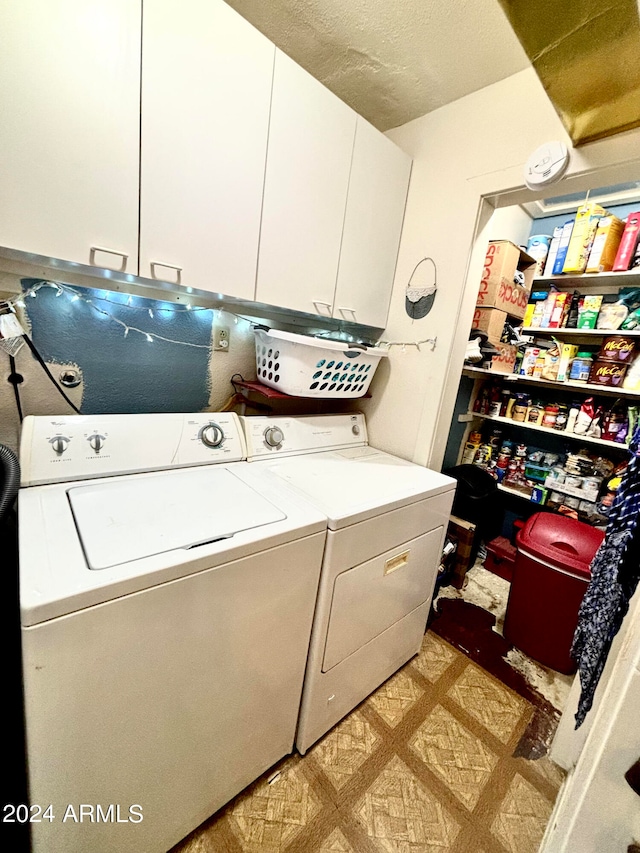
[(555, 432), (514, 492), (579, 387), (591, 278), (602, 333)]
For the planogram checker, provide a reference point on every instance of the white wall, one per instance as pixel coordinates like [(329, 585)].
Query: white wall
[(510, 223), (472, 149)]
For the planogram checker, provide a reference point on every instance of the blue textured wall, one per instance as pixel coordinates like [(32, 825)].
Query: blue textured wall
[(124, 374)]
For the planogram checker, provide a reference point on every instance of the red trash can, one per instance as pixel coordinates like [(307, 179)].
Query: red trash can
[(550, 578)]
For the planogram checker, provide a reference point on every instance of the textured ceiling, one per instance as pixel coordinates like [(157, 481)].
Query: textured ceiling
[(393, 60)]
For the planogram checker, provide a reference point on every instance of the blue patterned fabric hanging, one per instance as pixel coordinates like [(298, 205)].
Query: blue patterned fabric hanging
[(615, 572)]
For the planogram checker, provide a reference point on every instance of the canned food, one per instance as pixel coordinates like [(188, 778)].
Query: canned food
[(573, 481)]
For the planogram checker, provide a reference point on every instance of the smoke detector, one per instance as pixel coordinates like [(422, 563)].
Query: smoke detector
[(546, 165)]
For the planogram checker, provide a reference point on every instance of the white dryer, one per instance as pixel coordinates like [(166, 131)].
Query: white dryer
[(167, 596), (386, 521)]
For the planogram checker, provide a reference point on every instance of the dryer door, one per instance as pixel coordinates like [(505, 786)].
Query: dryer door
[(371, 597)]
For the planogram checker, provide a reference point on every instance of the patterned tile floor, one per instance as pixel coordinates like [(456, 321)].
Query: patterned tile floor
[(425, 765)]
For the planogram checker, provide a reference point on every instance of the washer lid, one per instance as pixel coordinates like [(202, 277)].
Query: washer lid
[(121, 521)]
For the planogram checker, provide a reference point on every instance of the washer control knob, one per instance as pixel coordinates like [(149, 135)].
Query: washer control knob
[(355, 429), (273, 436), (96, 441), (211, 435), (59, 444)]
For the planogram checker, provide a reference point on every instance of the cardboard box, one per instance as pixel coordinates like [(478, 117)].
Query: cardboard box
[(497, 288), (553, 251), (560, 310), (605, 244), (490, 321), (505, 361), (563, 245), (547, 311), (584, 229), (463, 532), (588, 311), (628, 244), (567, 353)]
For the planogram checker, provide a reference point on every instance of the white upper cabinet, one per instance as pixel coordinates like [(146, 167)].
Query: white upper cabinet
[(206, 90), (375, 210), (311, 136), (69, 129)]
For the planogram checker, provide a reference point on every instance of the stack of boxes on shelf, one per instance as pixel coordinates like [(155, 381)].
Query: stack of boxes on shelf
[(504, 292), (593, 241), (613, 364)]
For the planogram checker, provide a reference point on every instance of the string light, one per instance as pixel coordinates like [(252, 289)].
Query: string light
[(217, 313)]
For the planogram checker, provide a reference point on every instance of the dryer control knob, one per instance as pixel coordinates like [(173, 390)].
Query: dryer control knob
[(59, 444), (96, 441), (273, 436), (211, 435)]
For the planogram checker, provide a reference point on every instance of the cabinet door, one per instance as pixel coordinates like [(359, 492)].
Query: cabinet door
[(206, 89), (375, 210), (69, 135), (310, 145)]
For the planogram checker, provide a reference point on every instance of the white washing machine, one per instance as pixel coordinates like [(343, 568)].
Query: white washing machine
[(386, 521), (167, 596)]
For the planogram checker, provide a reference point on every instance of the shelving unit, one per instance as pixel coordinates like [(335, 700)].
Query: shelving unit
[(578, 387), (602, 333), (584, 439), (549, 440), (624, 277)]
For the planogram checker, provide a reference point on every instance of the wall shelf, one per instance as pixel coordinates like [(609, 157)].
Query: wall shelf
[(602, 333), (624, 277), (606, 390), (514, 492), (612, 445)]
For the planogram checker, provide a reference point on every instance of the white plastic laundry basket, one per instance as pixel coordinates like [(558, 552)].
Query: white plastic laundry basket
[(314, 367)]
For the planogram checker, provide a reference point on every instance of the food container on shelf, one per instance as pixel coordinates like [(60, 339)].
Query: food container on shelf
[(617, 348), (607, 373), (581, 367), (303, 366)]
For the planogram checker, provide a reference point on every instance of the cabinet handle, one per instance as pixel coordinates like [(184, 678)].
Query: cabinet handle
[(349, 311), (317, 302), (178, 270), (123, 255)]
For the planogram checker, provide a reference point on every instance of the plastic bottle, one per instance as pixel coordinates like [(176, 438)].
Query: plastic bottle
[(562, 418), (519, 411), (505, 395), (535, 412), (574, 411), (470, 448), (581, 367)]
